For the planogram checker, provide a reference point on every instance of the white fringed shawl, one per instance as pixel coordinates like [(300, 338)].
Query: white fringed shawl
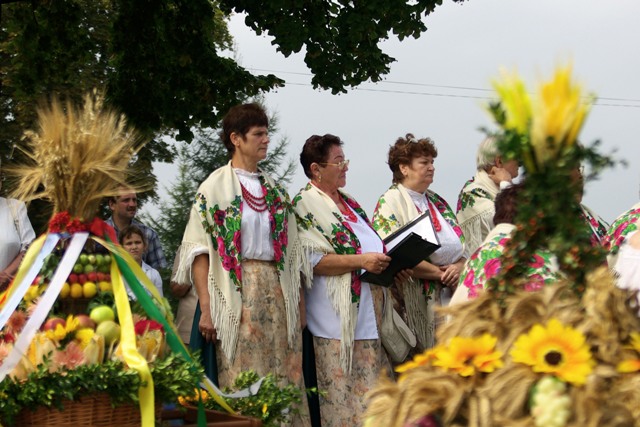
[(323, 229), (214, 228)]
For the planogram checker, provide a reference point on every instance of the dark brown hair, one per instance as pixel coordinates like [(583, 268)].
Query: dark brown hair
[(240, 119), (506, 204), (130, 230), (316, 150), (405, 150)]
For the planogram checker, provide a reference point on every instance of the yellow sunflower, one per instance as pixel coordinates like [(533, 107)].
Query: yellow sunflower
[(555, 349), (467, 356), (631, 365), (421, 359)]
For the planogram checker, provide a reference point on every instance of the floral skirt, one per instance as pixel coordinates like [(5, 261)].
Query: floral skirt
[(262, 337), (342, 402)]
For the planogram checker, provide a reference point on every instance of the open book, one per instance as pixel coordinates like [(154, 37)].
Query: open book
[(407, 247)]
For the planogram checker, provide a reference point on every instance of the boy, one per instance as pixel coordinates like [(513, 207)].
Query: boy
[(133, 241)]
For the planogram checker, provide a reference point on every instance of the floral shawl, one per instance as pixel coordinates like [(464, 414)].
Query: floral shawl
[(621, 227), (394, 209), (323, 229), (214, 228), (596, 224), (476, 209), (485, 263)]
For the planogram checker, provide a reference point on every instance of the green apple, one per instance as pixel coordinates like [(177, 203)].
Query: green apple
[(84, 259), (99, 259), (102, 313), (107, 259), (89, 268), (78, 268), (92, 259), (110, 330)]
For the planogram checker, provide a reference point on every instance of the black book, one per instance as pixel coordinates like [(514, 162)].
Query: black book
[(407, 247)]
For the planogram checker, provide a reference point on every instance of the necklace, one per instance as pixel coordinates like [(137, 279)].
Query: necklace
[(434, 218), (258, 204), (348, 214)]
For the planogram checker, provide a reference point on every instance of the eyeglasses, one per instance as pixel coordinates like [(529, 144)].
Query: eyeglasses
[(340, 165)]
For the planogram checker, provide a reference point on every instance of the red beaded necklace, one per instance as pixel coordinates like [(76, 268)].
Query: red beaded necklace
[(348, 214), (258, 204), (434, 218)]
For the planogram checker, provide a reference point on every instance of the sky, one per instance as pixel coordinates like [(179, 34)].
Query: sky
[(440, 83)]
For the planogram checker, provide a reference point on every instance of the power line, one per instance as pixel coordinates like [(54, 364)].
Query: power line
[(468, 88)]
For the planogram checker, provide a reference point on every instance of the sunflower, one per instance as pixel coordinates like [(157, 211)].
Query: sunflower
[(421, 359), (631, 365), (469, 355), (555, 349)]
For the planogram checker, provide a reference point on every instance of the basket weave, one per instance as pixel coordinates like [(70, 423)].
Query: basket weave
[(92, 410)]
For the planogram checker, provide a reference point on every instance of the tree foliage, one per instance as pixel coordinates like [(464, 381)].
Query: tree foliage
[(341, 37)]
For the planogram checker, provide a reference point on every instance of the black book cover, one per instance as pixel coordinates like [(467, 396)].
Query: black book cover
[(408, 253)]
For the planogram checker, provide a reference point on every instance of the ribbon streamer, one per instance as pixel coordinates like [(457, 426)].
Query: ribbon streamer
[(44, 305)]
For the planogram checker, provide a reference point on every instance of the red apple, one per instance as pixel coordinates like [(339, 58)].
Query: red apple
[(52, 322), (73, 278), (99, 278), (84, 321), (93, 276), (82, 278)]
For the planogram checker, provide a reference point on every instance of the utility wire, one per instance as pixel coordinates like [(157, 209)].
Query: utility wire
[(597, 102)]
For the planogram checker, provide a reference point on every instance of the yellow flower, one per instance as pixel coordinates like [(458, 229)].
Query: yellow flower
[(418, 360), (555, 349), (264, 409), (558, 115), (515, 101), (467, 356), (84, 336), (631, 365)]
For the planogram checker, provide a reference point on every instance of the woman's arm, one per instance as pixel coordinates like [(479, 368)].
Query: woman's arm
[(426, 270), (334, 264), (200, 271), (7, 274), (451, 272)]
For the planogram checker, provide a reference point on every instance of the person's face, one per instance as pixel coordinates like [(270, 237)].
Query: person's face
[(512, 166), (253, 145), (334, 171), (125, 206), (418, 175), (135, 246)]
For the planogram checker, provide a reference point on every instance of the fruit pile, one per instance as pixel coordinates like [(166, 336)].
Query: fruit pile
[(90, 275), (101, 320)]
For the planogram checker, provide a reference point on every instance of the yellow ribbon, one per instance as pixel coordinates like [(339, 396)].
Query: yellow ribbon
[(25, 266), (132, 358)]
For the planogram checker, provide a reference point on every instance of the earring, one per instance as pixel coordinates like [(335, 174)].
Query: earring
[(319, 178)]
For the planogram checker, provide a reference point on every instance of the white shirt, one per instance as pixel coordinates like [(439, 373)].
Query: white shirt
[(628, 266), (16, 232), (450, 247), (322, 319), (153, 275), (255, 228)]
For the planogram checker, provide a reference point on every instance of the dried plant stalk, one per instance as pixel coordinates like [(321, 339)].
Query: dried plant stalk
[(77, 156)]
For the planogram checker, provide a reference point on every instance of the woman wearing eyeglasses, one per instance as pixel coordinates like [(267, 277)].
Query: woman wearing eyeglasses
[(343, 313), (412, 162)]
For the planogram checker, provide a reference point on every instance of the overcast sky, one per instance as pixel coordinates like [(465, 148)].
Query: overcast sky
[(440, 83)]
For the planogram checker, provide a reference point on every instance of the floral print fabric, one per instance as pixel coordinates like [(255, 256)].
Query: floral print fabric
[(486, 262)]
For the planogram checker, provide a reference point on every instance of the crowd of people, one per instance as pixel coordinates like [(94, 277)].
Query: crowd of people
[(262, 276)]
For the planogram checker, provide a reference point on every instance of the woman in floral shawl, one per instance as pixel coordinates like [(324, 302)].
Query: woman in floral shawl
[(485, 262), (619, 231), (343, 313), (412, 164), (240, 251)]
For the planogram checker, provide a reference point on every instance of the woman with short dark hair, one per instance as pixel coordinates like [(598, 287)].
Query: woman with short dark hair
[(241, 252), (343, 312)]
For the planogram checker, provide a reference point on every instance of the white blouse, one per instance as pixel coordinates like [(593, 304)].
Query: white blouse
[(628, 266), (16, 232), (255, 228), (322, 319), (450, 246)]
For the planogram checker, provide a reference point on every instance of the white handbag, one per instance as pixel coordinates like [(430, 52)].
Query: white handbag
[(396, 336)]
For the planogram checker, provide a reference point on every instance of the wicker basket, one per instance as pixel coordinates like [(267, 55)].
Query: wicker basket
[(92, 410)]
